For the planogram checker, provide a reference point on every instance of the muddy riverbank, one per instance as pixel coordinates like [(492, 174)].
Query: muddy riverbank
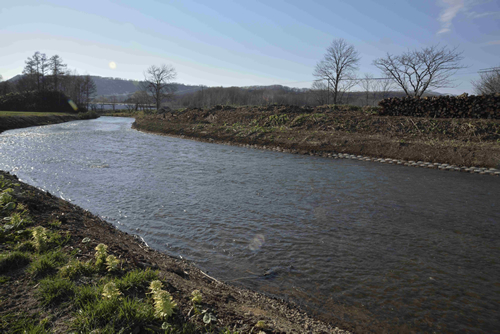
[(328, 131), (22, 289), (17, 122)]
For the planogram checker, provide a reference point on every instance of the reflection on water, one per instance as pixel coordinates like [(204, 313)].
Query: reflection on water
[(397, 244)]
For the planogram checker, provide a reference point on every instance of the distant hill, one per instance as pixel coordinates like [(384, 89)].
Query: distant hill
[(115, 86), (122, 87)]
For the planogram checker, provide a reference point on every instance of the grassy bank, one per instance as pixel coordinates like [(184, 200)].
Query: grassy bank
[(19, 119), (30, 113), (64, 270), (338, 129)]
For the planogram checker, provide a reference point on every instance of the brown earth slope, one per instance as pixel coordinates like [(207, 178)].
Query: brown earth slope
[(16, 122), (75, 233), (332, 129)]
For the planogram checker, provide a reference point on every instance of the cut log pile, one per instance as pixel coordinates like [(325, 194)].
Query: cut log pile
[(462, 106)]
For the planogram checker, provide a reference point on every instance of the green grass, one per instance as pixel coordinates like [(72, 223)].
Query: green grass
[(23, 323), (137, 279), (87, 294), (76, 268), (26, 246), (47, 263), (14, 260), (123, 315), (31, 113), (53, 291)]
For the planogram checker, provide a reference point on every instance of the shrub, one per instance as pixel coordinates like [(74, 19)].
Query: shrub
[(36, 101), (164, 304), (101, 255), (110, 291), (40, 238)]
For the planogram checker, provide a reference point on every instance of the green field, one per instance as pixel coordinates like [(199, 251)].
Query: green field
[(30, 113)]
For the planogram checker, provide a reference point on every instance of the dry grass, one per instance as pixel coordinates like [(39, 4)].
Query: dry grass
[(462, 142)]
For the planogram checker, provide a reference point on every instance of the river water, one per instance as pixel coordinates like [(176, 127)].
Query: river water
[(351, 240)]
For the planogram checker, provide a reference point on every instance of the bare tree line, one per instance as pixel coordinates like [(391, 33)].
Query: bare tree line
[(51, 74), (414, 73), (488, 82)]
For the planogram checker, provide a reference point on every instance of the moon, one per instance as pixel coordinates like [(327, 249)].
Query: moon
[(112, 65)]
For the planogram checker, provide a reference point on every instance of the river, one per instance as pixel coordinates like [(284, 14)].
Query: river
[(351, 240)]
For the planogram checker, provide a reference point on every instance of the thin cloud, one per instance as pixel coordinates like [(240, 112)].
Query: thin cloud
[(475, 15), (452, 7), (494, 43)]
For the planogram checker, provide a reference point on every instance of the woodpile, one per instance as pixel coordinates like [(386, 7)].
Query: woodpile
[(463, 106)]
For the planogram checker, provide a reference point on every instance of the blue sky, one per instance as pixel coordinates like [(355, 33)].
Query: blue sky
[(242, 43)]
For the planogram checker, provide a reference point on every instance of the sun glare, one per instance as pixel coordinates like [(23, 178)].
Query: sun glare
[(112, 65)]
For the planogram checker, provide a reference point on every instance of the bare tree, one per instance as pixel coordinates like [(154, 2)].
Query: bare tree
[(368, 85), (384, 87), (338, 67), (488, 83), (113, 100), (418, 70), (320, 92), (89, 90), (35, 70), (141, 99), (4, 86), (57, 69), (157, 82), (102, 100)]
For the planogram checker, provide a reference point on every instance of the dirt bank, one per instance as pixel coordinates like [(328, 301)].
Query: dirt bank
[(73, 233), (16, 122), (329, 130)]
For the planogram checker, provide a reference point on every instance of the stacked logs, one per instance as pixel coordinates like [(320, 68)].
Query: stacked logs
[(463, 106)]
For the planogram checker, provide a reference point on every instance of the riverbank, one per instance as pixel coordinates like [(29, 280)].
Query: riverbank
[(51, 279), (16, 120), (345, 131)]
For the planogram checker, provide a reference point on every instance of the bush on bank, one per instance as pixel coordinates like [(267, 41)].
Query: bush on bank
[(40, 101)]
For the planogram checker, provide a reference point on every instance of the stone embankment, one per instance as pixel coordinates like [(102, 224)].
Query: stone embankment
[(410, 163)]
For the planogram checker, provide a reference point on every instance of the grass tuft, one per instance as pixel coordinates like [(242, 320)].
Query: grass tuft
[(76, 268), (14, 260), (87, 294), (137, 279), (53, 291), (47, 263), (23, 323), (114, 315)]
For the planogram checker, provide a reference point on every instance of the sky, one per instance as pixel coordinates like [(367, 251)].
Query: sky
[(243, 43)]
